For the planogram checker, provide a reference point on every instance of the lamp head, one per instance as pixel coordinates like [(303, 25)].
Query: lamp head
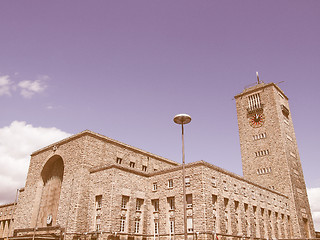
[(182, 118)]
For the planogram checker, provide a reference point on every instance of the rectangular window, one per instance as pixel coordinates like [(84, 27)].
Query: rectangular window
[(171, 203), (156, 227), (189, 224), (98, 223), (137, 225), (214, 201), (119, 160), (132, 164), (187, 181), (259, 136), (225, 185), (155, 204), (155, 186), (139, 203), (124, 202), (98, 201), (254, 102), (292, 154), (189, 200), (144, 168), (285, 111), (236, 205), (262, 212), (246, 207), (122, 224), (214, 182), (244, 191), (170, 183), (171, 226), (281, 95)]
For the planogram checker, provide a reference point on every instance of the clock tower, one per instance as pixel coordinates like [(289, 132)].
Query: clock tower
[(269, 150)]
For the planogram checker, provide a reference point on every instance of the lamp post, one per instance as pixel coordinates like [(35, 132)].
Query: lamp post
[(183, 119)]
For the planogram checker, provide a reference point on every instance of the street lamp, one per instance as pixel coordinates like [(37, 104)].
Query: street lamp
[(183, 119)]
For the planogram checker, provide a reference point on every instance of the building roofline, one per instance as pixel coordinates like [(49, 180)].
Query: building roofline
[(257, 87), (7, 204), (189, 165), (107, 139)]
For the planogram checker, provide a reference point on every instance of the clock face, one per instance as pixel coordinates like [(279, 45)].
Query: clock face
[(256, 120)]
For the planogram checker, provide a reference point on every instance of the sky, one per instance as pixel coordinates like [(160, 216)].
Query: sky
[(124, 69)]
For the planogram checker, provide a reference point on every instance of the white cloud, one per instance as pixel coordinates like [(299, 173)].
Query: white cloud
[(29, 88), (17, 142), (5, 85), (314, 200)]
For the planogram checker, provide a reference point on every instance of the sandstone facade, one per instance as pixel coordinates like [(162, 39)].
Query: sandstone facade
[(89, 186)]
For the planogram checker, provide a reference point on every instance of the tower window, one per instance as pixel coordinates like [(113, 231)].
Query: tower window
[(259, 136), (281, 95), (264, 170), (285, 111), (262, 153), (170, 183), (254, 102), (144, 168), (292, 154)]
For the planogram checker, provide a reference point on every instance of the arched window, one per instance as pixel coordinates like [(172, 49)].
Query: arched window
[(52, 176)]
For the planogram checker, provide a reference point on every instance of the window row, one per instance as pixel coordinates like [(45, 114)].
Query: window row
[(172, 225), (170, 184), (259, 136), (262, 153), (171, 203), (249, 193), (132, 164), (137, 224), (226, 205), (125, 200), (263, 170)]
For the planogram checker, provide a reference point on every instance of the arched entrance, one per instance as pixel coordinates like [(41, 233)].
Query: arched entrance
[(52, 176)]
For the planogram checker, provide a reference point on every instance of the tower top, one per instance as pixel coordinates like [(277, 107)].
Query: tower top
[(259, 87)]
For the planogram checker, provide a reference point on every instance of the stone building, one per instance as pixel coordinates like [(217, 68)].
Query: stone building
[(89, 186)]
